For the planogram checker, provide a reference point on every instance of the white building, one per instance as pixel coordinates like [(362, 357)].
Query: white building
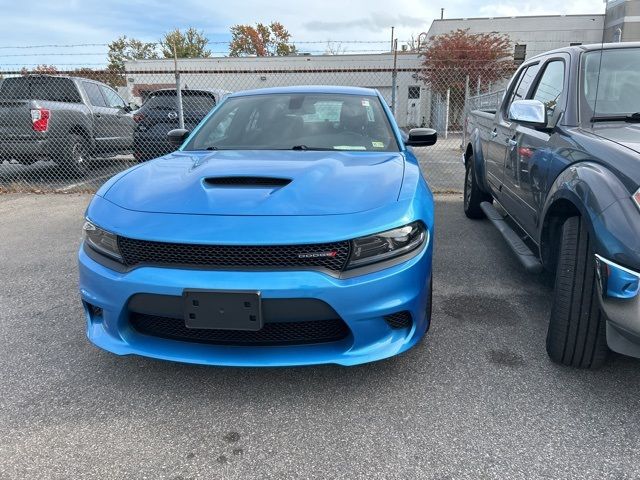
[(243, 73), (530, 35)]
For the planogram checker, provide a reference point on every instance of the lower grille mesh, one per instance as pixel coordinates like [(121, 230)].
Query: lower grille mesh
[(282, 333), (399, 319)]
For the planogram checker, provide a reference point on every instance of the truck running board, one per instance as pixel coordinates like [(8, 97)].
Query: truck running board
[(527, 258)]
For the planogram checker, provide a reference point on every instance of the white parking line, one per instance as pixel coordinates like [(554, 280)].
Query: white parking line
[(86, 182)]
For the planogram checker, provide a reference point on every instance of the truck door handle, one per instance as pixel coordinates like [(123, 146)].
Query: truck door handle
[(494, 133), (98, 115), (512, 143)]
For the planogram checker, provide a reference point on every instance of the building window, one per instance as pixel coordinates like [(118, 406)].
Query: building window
[(414, 92), (575, 44), (520, 53)]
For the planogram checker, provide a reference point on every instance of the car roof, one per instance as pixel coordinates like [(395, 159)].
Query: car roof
[(197, 90), (576, 49), (307, 89)]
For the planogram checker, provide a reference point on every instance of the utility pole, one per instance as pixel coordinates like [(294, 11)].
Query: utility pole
[(394, 76), (178, 89), (392, 38)]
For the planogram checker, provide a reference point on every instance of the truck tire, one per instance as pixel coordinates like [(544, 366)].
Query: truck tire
[(473, 196), (576, 335), (75, 157)]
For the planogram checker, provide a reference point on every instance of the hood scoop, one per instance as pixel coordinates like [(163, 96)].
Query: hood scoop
[(241, 181)]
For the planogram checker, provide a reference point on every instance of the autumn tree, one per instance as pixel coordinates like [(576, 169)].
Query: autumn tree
[(190, 44), (261, 40), (40, 69), (124, 48), (452, 58)]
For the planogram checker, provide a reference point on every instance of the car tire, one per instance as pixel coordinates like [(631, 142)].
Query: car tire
[(75, 158), (576, 336), (473, 196)]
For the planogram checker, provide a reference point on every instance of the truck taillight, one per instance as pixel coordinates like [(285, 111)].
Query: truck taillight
[(40, 119), (636, 198)]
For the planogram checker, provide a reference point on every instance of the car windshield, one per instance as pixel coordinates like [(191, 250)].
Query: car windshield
[(613, 88), (313, 121)]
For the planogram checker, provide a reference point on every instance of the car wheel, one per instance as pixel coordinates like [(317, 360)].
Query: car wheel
[(75, 160), (473, 196), (576, 335)]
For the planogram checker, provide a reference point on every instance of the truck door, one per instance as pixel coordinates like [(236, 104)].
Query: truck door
[(101, 121), (120, 120), (501, 133), (529, 150)]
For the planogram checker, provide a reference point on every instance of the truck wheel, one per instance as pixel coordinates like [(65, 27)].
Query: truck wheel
[(76, 156), (576, 335), (473, 196)]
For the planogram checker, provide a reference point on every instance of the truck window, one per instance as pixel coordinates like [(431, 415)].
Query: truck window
[(52, 89), (93, 92), (112, 98), (550, 86), (523, 84)]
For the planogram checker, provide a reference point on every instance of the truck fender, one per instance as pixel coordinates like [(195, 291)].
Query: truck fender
[(475, 147), (586, 189)]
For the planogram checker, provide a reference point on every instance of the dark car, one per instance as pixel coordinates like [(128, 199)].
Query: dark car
[(60, 118), (159, 114), (557, 169)]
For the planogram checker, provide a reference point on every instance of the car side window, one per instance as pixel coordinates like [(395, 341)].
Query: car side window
[(112, 98), (93, 92), (523, 85), (550, 87)]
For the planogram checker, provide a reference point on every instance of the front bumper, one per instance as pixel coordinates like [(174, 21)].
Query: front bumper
[(619, 290), (361, 302)]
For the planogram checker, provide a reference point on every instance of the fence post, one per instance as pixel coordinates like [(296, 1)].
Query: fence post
[(394, 77), (446, 121), (465, 113), (178, 89)]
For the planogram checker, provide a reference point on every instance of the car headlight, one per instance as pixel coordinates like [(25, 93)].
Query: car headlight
[(102, 241), (386, 245), (636, 198)]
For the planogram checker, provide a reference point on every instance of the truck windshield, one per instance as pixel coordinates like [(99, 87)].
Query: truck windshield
[(611, 91), (309, 121)]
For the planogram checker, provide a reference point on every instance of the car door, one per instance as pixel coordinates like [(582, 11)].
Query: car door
[(101, 115), (501, 132), (529, 152), (120, 120)]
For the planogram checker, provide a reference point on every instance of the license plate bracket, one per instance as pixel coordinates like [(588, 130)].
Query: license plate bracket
[(222, 310)]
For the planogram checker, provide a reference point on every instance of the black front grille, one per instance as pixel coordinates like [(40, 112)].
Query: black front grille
[(399, 319), (282, 333), (331, 256)]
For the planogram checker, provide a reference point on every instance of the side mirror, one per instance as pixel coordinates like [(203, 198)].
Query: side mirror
[(177, 136), (421, 137), (528, 112)]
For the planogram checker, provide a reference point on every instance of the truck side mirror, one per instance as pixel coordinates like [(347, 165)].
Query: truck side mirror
[(421, 137), (177, 136), (528, 112)]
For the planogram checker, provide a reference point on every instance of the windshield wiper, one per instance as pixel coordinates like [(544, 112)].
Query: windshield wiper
[(304, 147), (631, 118)]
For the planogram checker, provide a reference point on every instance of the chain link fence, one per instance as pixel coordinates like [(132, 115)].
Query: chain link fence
[(71, 131)]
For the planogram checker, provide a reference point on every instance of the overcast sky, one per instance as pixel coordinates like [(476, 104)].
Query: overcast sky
[(38, 22)]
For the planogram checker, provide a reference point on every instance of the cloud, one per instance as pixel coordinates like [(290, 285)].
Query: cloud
[(374, 23)]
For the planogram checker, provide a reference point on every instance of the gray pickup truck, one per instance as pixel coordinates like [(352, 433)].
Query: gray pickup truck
[(65, 119), (556, 168)]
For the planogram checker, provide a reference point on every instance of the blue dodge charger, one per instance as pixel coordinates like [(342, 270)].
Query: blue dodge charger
[(291, 227)]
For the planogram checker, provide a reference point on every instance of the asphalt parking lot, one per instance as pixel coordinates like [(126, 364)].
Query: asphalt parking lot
[(477, 399)]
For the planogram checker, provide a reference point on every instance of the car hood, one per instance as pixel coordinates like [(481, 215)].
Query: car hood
[(625, 134), (247, 182)]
